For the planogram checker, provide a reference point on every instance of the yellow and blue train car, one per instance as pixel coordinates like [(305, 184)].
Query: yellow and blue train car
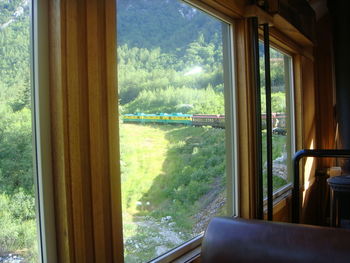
[(165, 118), (213, 120)]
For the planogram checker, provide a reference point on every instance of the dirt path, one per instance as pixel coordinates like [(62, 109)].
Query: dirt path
[(153, 238)]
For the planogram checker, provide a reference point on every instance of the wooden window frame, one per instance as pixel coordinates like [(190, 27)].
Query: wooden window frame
[(299, 51), (84, 132), (42, 132)]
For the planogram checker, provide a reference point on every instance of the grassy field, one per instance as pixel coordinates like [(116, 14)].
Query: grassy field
[(143, 152), (171, 176), (164, 162), (166, 171)]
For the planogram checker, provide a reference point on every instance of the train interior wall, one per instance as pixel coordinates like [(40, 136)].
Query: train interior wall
[(331, 112), (319, 125)]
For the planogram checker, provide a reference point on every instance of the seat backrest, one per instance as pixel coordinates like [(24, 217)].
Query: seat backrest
[(240, 240)]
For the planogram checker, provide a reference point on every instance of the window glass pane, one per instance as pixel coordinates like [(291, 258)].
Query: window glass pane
[(282, 133), (18, 233), (173, 82)]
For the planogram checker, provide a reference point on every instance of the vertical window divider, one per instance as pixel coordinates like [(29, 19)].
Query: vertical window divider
[(41, 132), (229, 111), (256, 69), (268, 123)]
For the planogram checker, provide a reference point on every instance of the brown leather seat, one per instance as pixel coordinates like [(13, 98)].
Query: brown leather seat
[(239, 240)]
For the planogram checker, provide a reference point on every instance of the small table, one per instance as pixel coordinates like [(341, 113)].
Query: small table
[(340, 201)]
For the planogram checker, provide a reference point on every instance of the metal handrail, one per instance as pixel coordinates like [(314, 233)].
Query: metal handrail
[(296, 184)]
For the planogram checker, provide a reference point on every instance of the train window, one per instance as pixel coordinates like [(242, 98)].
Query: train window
[(18, 220), (174, 74), (282, 118)]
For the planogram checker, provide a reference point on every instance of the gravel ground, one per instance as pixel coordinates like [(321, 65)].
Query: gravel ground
[(11, 258)]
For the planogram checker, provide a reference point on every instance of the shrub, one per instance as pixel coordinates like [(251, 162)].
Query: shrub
[(17, 224)]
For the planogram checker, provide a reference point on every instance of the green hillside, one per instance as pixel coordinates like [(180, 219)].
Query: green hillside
[(170, 25), (167, 173)]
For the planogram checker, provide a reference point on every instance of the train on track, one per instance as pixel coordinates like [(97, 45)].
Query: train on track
[(217, 121)]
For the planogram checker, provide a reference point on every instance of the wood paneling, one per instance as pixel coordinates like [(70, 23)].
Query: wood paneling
[(309, 130), (325, 93), (233, 9), (282, 210), (59, 124), (255, 11), (291, 31), (298, 102), (245, 88), (319, 123), (287, 45), (84, 130)]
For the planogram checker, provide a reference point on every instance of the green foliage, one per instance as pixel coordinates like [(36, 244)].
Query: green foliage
[(145, 66), (178, 165), (278, 102), (171, 171), (194, 161), (142, 70), (183, 100), (17, 224), (14, 53), (203, 160), (17, 211), (278, 145), (16, 150), (278, 149), (8, 8), (278, 89), (139, 21)]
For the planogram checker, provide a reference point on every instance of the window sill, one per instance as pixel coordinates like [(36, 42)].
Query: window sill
[(186, 252), (280, 194)]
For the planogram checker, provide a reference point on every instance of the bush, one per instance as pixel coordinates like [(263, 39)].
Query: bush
[(200, 161), (15, 150), (17, 224)]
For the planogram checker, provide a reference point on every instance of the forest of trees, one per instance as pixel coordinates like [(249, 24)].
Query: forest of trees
[(170, 54), (170, 25), (150, 81)]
